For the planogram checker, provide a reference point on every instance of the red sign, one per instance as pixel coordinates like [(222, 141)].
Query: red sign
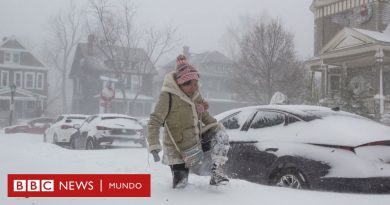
[(78, 185)]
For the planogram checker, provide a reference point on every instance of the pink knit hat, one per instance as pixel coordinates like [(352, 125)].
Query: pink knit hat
[(184, 70)]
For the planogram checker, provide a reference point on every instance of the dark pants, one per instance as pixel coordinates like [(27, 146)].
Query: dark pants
[(180, 175)]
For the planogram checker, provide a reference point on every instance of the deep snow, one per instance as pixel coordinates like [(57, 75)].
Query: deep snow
[(26, 153)]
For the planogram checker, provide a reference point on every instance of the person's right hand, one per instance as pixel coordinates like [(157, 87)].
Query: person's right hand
[(155, 155)]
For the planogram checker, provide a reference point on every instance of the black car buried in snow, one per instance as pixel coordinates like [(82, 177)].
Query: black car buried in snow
[(307, 147)]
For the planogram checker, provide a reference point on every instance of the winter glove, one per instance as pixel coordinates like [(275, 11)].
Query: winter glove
[(202, 107), (155, 155)]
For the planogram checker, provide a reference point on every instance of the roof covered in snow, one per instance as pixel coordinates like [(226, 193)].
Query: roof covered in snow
[(384, 37), (206, 63), (93, 58)]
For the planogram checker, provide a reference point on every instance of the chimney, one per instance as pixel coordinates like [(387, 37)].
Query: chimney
[(91, 39), (186, 52)]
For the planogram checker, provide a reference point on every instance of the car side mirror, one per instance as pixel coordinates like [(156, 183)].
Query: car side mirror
[(76, 126)]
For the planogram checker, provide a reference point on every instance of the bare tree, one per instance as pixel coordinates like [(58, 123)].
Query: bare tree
[(266, 60), (131, 50), (65, 31)]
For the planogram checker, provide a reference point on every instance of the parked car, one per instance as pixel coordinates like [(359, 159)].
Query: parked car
[(306, 147), (34, 126), (61, 130), (108, 130)]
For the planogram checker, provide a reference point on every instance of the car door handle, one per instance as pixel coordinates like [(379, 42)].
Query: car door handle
[(271, 149)]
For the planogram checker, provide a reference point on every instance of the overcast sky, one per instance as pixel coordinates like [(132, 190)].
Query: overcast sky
[(201, 23)]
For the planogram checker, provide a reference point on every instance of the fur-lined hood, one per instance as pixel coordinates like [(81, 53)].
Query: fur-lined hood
[(170, 85)]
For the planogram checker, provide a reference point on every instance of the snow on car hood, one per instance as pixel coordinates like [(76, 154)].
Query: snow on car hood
[(331, 130), (120, 123)]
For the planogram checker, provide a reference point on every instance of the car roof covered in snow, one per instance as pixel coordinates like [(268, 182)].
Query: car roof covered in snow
[(74, 115), (103, 115), (305, 112), (333, 127)]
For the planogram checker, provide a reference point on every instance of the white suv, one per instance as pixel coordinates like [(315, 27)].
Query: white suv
[(62, 129), (107, 130)]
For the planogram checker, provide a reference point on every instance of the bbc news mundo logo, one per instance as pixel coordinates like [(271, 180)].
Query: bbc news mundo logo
[(79, 185), (33, 186)]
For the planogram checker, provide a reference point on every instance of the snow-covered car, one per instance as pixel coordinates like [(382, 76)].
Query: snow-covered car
[(34, 126), (62, 129), (108, 130), (306, 147)]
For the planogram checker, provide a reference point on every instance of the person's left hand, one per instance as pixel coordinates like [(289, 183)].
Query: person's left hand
[(202, 107), (205, 105)]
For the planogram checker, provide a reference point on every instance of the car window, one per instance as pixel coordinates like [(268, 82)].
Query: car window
[(291, 119), (76, 118), (236, 120), (59, 118), (265, 119)]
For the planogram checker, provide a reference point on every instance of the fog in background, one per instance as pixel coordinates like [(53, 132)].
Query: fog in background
[(201, 24)]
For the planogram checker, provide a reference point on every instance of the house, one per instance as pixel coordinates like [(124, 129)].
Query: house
[(19, 67), (133, 91), (352, 52), (216, 75)]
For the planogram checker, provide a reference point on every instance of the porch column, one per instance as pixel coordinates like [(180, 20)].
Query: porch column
[(379, 59), (312, 85), (324, 78), (344, 83)]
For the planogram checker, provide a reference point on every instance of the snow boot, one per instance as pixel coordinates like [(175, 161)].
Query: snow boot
[(180, 175), (217, 176)]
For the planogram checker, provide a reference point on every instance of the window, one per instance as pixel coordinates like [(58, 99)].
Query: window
[(4, 78), (78, 86), (236, 120), (136, 82), (4, 105), (265, 119), (30, 104), (7, 57), (16, 58), (386, 83), (75, 118), (332, 9), (123, 82), (231, 123), (291, 119), (334, 82), (40, 81), (18, 79), (11, 57), (29, 80)]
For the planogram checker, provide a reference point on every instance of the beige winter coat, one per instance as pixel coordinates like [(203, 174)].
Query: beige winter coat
[(182, 121)]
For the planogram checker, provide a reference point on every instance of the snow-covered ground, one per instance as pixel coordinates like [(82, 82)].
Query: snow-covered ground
[(27, 154)]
